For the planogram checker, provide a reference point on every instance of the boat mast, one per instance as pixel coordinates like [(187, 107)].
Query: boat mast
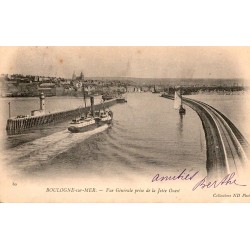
[(84, 95)]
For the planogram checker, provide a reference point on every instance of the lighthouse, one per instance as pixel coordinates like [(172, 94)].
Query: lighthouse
[(40, 111), (42, 102)]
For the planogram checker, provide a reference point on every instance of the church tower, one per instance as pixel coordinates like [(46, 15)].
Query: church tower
[(81, 76)]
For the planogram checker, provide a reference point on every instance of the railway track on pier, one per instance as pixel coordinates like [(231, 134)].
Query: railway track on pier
[(227, 149)]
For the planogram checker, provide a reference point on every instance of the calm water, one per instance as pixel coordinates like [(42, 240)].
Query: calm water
[(147, 136), (235, 107)]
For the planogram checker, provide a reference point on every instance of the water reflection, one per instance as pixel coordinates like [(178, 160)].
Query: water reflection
[(180, 125)]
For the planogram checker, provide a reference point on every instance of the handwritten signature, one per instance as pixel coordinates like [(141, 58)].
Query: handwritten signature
[(229, 179), (184, 176)]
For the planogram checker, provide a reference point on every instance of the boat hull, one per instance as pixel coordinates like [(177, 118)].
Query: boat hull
[(101, 122), (107, 97), (182, 111), (81, 129), (92, 124), (121, 100)]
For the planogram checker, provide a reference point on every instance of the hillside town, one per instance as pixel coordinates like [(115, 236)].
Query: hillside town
[(18, 85)]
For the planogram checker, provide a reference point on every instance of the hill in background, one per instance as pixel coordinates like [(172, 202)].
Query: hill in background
[(175, 81)]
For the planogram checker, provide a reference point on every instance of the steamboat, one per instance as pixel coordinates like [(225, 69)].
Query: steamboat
[(92, 119)]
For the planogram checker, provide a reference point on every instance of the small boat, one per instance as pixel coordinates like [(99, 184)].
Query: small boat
[(182, 110), (178, 103), (121, 99), (106, 97)]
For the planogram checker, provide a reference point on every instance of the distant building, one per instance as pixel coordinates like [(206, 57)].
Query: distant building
[(77, 84), (47, 85), (36, 79), (145, 88), (130, 88), (81, 77), (47, 91)]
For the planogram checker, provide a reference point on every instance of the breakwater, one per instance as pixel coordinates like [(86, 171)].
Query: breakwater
[(227, 149), (16, 125)]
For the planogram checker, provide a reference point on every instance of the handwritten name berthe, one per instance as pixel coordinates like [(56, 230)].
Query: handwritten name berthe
[(227, 180)]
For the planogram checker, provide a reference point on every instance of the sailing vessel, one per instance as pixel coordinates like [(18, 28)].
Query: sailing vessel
[(178, 103)]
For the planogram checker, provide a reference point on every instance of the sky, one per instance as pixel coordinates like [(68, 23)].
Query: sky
[(144, 62)]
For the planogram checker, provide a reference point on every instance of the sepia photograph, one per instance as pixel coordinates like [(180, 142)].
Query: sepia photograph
[(124, 124)]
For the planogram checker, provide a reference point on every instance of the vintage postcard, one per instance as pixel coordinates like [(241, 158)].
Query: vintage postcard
[(125, 124)]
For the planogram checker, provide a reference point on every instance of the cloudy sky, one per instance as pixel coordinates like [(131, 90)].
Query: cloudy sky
[(152, 62)]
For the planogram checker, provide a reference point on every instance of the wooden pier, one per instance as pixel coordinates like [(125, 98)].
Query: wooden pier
[(16, 125)]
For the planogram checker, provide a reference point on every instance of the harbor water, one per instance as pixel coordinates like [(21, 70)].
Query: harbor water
[(147, 136)]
